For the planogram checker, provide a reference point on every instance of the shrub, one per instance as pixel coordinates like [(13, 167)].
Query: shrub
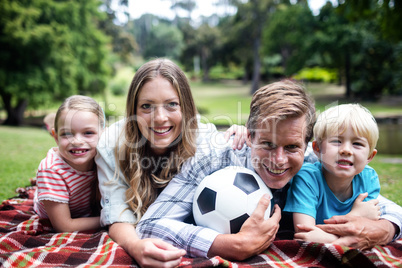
[(316, 74)]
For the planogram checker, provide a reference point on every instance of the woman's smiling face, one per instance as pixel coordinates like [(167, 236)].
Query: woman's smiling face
[(159, 114)]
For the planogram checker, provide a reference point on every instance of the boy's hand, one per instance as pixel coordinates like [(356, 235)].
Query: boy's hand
[(314, 234), (369, 209)]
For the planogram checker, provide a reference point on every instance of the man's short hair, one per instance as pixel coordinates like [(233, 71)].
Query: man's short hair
[(279, 101)]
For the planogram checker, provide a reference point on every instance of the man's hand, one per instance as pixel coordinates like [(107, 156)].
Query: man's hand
[(359, 232), (254, 237)]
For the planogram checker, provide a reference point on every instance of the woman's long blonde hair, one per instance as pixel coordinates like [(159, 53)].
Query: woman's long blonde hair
[(146, 173)]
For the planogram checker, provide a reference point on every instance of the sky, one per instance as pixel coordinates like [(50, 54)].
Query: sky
[(204, 7)]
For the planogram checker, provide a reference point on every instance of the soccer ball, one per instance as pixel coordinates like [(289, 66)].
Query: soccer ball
[(225, 199)]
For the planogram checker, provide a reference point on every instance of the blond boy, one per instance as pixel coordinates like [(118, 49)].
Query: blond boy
[(341, 182)]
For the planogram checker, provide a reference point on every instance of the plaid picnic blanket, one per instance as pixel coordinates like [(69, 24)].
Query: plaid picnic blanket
[(27, 241)]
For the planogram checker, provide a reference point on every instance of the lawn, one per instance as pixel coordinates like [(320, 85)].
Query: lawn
[(22, 149)]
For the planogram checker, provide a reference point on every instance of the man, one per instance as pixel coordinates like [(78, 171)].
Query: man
[(280, 126)]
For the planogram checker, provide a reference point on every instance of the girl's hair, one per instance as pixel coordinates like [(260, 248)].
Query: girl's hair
[(146, 173), (336, 119), (80, 103), (279, 101)]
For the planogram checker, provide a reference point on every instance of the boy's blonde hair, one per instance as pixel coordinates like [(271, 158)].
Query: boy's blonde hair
[(336, 119)]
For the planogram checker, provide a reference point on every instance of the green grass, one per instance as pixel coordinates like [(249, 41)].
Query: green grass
[(21, 150), (222, 103), (389, 170)]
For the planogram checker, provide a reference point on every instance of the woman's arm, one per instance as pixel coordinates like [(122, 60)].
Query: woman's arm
[(147, 252)]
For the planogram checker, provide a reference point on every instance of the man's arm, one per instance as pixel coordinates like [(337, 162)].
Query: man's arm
[(165, 220), (166, 217), (363, 233)]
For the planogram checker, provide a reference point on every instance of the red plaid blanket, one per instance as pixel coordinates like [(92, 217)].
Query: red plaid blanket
[(26, 240)]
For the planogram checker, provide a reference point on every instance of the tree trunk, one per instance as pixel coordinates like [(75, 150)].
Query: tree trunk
[(204, 64), (257, 65), (347, 76), (15, 115)]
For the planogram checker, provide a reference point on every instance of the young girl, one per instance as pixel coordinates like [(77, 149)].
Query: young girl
[(139, 155), (66, 178), (345, 139)]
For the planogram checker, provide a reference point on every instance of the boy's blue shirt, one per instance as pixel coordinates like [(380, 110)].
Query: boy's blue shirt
[(309, 193)]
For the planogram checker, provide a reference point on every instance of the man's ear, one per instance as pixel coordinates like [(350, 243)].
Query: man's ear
[(316, 148), (248, 140), (371, 156)]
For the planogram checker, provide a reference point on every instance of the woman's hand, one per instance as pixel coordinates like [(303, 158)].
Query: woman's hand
[(146, 252), (155, 253), (240, 137)]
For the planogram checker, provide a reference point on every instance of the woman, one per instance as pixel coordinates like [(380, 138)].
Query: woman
[(140, 154)]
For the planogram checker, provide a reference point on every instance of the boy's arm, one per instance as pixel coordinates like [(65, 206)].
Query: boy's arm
[(307, 231), (300, 218)]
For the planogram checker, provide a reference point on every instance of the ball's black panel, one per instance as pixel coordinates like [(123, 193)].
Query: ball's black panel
[(236, 224), (206, 200), (246, 182)]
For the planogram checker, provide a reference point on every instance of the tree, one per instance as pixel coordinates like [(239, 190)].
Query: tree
[(50, 50), (249, 22), (156, 37), (336, 42), (376, 68), (123, 43), (204, 42), (352, 38), (164, 41), (288, 33)]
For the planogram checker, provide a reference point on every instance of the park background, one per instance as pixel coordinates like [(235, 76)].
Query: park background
[(344, 51)]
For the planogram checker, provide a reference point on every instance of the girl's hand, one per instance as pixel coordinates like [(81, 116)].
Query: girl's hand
[(240, 137)]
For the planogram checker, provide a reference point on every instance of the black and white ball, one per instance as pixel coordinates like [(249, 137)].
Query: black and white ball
[(225, 199)]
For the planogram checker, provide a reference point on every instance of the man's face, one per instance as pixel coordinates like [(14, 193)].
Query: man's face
[(277, 150)]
